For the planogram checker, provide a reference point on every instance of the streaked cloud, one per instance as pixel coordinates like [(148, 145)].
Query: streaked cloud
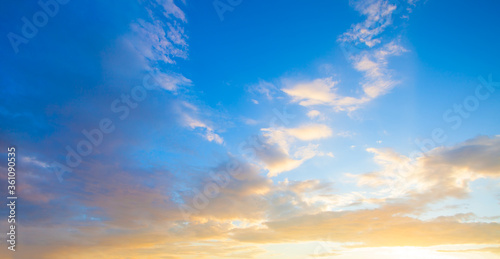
[(378, 16), (368, 54), (189, 112)]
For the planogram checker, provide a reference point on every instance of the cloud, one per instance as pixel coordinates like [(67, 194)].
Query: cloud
[(444, 172), (172, 10), (209, 132), (377, 80), (328, 254), (268, 212), (250, 197), (34, 161), (378, 15), (368, 54), (491, 249), (275, 151), (313, 114), (479, 155), (304, 132), (358, 227), (123, 200), (158, 42), (310, 132), (267, 89), (170, 81), (277, 159), (239, 193), (319, 91), (322, 91)]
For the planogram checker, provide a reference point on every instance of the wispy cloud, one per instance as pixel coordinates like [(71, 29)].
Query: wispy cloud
[(379, 15), (277, 152), (159, 42), (188, 113), (368, 54)]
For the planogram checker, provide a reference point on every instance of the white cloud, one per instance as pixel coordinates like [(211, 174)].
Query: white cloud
[(277, 147), (378, 16), (172, 10), (330, 154), (322, 92), (189, 120), (170, 81), (319, 91), (442, 172), (310, 132), (377, 77), (366, 50), (157, 42), (307, 132), (274, 153), (313, 114), (377, 80), (211, 136), (209, 133)]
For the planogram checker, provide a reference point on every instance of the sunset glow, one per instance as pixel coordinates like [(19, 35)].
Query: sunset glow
[(344, 129)]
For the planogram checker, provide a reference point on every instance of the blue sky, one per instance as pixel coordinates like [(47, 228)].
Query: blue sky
[(318, 107)]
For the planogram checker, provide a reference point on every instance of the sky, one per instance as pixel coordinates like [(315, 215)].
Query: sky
[(251, 129)]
